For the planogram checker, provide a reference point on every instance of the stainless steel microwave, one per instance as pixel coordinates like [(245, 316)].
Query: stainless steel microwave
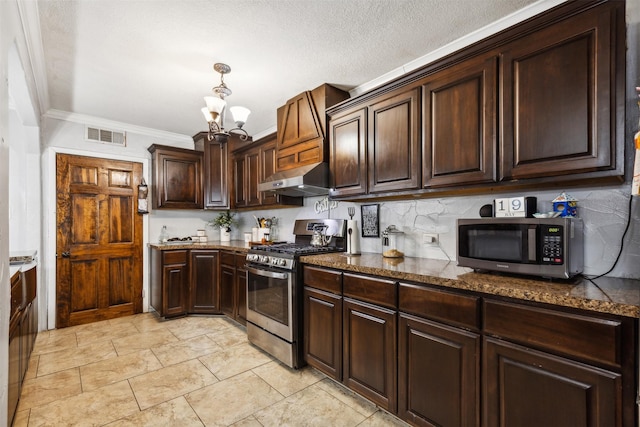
[(547, 247)]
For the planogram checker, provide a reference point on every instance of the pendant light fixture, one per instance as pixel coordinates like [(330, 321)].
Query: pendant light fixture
[(214, 112)]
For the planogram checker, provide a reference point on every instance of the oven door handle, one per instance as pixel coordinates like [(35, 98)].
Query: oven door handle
[(267, 273)]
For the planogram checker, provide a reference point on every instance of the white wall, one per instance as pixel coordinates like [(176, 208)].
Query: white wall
[(68, 136), (12, 45)]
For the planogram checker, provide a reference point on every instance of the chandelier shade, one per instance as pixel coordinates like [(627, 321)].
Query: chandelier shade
[(214, 112)]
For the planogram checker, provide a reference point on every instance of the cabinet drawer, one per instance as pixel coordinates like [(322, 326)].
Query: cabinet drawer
[(228, 258), (589, 338), (376, 291), (319, 278), (174, 257), (448, 307)]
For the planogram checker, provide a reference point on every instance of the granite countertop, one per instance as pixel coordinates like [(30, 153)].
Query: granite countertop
[(606, 295), (234, 245)]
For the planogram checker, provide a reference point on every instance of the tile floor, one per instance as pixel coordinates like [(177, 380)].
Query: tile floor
[(193, 371)]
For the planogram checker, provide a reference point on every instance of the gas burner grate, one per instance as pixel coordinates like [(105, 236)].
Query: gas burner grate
[(294, 249)]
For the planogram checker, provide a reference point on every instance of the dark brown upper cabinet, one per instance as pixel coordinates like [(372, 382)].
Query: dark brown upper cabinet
[(177, 178), (302, 127), (348, 153), (251, 165), (563, 98), (535, 105), (216, 181), (394, 142), (459, 124)]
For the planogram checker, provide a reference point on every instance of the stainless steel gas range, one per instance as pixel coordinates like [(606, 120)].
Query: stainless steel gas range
[(274, 287)]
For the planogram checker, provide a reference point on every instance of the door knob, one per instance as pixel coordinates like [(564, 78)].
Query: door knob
[(66, 254)]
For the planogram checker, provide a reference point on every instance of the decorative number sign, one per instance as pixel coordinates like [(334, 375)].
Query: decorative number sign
[(514, 206)]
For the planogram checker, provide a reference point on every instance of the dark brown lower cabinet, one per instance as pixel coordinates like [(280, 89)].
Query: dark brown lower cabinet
[(15, 373), (369, 367), (323, 331), (438, 373), (444, 357), (241, 287), (203, 289), (169, 282), (184, 281), (233, 286), (525, 387)]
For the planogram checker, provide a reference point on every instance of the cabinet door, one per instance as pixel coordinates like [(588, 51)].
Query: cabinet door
[(252, 177), (204, 282), (14, 377), (241, 289), (438, 374), (227, 289), (348, 153), (175, 285), (394, 142), (177, 178), (239, 178), (323, 331), (268, 168), (525, 387), (459, 119), (561, 92), (216, 192), (369, 367)]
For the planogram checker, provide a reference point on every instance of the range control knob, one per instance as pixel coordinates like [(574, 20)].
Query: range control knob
[(263, 258), (282, 262)]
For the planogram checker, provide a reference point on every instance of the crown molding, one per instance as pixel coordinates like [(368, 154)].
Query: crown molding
[(30, 21), (464, 41), (99, 122)]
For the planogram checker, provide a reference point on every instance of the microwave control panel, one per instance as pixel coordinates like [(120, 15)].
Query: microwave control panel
[(551, 244)]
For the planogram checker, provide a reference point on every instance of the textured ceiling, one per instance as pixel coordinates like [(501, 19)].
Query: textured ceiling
[(149, 62)]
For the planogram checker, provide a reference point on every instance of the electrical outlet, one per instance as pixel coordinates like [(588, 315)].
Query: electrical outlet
[(430, 239)]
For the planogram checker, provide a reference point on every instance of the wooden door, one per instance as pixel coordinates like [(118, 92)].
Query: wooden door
[(227, 283), (266, 169), (348, 148), (241, 289), (323, 331), (203, 271), (559, 98), (393, 153), (369, 347), (459, 118), (438, 374), (216, 188), (98, 240), (525, 387), (177, 177)]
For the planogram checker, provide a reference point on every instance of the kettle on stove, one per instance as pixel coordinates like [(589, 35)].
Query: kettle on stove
[(319, 239)]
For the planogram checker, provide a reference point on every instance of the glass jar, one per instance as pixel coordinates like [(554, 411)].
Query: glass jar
[(392, 242)]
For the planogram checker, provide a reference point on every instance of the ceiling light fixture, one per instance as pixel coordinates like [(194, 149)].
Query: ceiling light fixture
[(214, 112)]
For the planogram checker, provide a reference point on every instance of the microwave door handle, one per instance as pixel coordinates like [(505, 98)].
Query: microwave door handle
[(266, 273), (531, 239)]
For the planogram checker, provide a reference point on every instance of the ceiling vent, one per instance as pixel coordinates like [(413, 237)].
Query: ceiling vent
[(105, 136)]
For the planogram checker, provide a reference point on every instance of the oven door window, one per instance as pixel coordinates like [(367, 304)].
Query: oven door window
[(269, 299)]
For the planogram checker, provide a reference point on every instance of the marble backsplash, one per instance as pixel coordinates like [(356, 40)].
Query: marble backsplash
[(604, 212)]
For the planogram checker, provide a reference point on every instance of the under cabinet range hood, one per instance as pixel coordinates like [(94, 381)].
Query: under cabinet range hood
[(308, 180)]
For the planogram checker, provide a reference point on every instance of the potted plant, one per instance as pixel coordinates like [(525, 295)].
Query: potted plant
[(224, 220)]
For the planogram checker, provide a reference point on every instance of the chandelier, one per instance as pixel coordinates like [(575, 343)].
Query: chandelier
[(214, 112)]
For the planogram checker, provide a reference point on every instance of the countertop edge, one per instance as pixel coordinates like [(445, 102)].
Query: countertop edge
[(526, 289)]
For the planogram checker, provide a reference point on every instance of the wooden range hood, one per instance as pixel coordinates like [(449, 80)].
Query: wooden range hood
[(302, 127)]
